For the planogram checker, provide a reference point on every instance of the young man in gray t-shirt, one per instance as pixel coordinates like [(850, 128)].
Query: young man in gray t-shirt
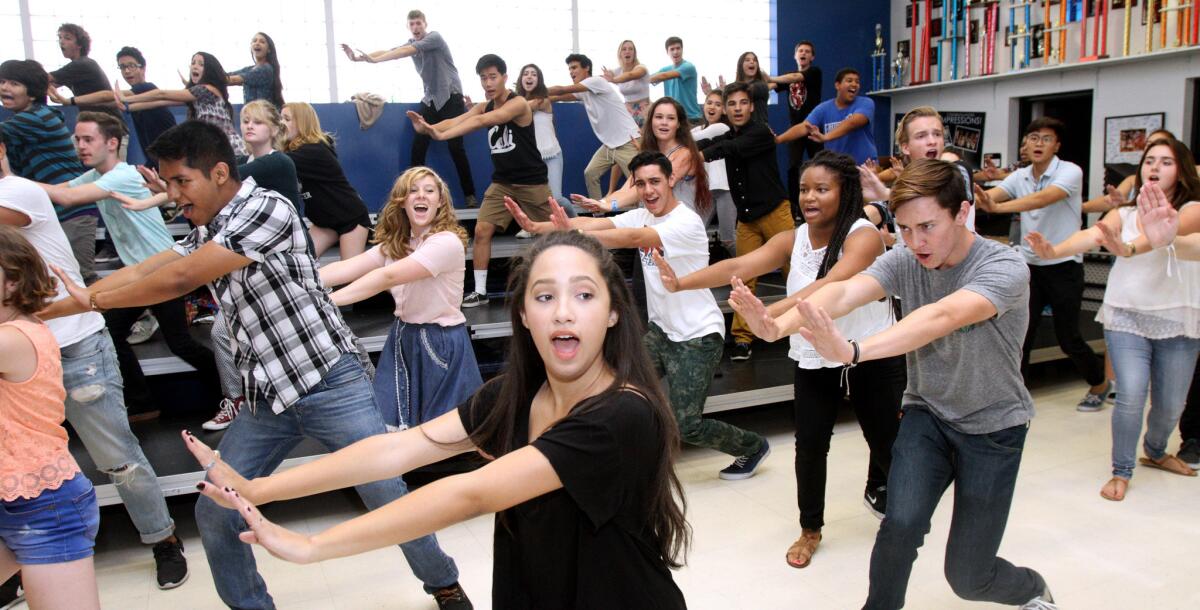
[(1048, 194), (443, 98), (966, 410)]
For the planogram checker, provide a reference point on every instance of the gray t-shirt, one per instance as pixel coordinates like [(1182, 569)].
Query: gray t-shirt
[(1057, 221), (971, 378), (436, 67)]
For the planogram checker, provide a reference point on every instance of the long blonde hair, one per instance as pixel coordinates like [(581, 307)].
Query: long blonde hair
[(266, 112), (308, 127), (392, 229)]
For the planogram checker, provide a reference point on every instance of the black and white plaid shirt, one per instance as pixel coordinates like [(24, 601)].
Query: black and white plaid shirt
[(286, 332)]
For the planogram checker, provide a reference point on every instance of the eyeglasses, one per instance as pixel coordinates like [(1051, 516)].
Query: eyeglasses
[(125, 67), (1036, 139)]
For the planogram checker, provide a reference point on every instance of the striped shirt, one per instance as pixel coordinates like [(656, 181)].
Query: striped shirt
[(286, 332), (40, 149)]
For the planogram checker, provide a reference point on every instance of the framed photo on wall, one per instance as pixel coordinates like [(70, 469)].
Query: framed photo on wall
[(1125, 136)]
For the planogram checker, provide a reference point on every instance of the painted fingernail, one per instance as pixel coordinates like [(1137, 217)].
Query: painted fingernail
[(200, 485), (228, 489)]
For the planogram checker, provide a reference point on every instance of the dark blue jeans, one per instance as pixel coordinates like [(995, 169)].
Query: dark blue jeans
[(338, 411), (927, 456)]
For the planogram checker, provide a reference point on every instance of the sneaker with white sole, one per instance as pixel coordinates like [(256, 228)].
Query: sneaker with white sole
[(1093, 402), (1045, 601), (170, 565), (225, 416), (745, 466), (876, 501), (523, 234), (1189, 453), (474, 299), (143, 329)]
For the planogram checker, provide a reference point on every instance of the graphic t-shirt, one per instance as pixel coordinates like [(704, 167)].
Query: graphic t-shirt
[(687, 314), (515, 155)]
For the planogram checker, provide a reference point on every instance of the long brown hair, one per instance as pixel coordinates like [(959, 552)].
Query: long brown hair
[(683, 134), (759, 76), (627, 359), (1187, 182), (393, 230)]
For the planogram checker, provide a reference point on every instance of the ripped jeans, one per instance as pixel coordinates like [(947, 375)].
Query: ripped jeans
[(96, 410)]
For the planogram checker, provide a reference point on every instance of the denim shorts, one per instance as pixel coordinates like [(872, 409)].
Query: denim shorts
[(56, 527)]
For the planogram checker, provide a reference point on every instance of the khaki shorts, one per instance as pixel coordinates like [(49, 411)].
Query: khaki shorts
[(533, 199)]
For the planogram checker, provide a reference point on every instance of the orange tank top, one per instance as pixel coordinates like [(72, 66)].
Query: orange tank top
[(33, 442)]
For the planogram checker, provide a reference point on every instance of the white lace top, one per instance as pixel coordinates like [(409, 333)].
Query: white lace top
[(1152, 295)]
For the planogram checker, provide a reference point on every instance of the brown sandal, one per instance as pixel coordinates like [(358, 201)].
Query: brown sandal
[(1118, 488), (799, 555), (1170, 464)]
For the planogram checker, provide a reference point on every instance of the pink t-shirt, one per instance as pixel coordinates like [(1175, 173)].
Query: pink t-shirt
[(437, 299)]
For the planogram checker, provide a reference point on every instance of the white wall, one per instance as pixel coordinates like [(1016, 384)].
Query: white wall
[(1153, 85)]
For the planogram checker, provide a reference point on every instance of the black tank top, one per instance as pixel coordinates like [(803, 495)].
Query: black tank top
[(515, 156)]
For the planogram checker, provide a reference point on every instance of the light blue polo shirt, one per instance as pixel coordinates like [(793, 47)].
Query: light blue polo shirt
[(1057, 221), (137, 235)]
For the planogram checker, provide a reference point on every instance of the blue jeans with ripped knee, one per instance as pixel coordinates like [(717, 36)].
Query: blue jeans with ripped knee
[(96, 410)]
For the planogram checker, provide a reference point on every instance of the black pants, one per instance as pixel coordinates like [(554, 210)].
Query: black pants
[(1189, 423), (452, 108), (876, 388), (172, 321), (1061, 287)]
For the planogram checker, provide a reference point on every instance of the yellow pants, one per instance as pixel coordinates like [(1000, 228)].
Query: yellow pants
[(750, 237)]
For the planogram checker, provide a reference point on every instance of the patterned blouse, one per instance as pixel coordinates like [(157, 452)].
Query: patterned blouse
[(210, 108)]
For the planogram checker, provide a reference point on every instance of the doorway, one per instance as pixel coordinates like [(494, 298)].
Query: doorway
[(1075, 110)]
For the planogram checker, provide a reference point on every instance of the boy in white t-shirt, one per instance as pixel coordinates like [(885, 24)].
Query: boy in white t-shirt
[(687, 329), (611, 121)]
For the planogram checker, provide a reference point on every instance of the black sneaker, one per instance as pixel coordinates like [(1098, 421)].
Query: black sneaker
[(741, 351), (744, 466), (876, 500), (452, 598), (474, 299), (170, 564), (11, 592), (1189, 453)]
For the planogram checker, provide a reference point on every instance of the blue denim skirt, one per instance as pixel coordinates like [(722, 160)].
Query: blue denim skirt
[(57, 526), (425, 370)]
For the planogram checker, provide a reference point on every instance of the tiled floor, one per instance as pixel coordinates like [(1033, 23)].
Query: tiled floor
[(1141, 553)]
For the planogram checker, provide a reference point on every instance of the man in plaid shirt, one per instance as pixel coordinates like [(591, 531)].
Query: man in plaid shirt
[(300, 367)]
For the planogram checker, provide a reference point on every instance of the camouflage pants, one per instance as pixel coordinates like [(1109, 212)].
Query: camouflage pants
[(687, 367)]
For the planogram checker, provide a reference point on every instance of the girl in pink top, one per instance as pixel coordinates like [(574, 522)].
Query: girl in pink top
[(427, 366), (48, 511)]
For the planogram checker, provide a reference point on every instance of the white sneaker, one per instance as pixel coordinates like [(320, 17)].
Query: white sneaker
[(523, 234), (1045, 601), (143, 329), (225, 416)]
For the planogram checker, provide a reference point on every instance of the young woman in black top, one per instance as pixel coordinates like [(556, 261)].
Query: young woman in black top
[(338, 214), (580, 441)]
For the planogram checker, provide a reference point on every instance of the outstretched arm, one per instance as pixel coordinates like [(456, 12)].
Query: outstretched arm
[(772, 255), (838, 298), (403, 271), (375, 57)]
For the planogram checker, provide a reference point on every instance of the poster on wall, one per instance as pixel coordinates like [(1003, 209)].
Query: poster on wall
[(963, 133), (1125, 136)]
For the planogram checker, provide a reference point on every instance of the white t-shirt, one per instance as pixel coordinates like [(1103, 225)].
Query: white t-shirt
[(859, 324), (687, 314), (46, 235), (606, 111)]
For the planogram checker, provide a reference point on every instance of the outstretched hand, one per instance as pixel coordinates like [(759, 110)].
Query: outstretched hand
[(1110, 239), (351, 53), (984, 200), (752, 310), (117, 97), (820, 330), (558, 217), (1160, 220), (608, 74), (522, 218), (814, 133), (1041, 247), (588, 203), (872, 187), (705, 87), (80, 294), (1112, 197), (665, 273), (56, 97), (419, 123), (153, 182), (219, 475), (279, 541)]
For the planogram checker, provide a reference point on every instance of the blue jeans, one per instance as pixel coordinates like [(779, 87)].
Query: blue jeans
[(1161, 367), (96, 410), (338, 411), (554, 172), (927, 456)]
